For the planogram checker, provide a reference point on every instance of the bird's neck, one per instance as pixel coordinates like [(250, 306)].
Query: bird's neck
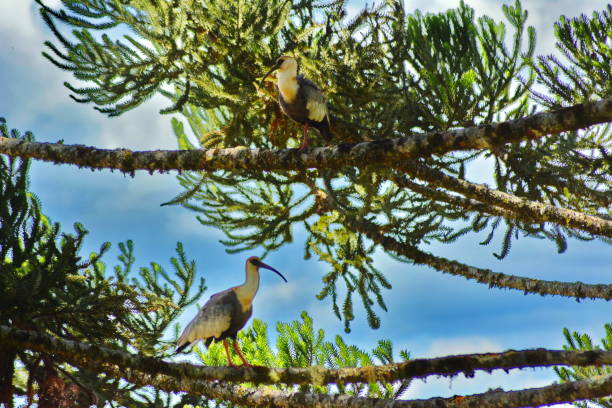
[(247, 291), (287, 84)]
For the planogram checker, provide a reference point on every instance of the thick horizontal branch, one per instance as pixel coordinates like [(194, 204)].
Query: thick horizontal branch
[(474, 205), (465, 203), (386, 152), (419, 368), (272, 398), (526, 209), (576, 290), (266, 397)]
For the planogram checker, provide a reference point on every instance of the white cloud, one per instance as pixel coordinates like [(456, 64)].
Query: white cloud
[(276, 293), (465, 345), (39, 102), (141, 128), (183, 222), (54, 4), (18, 25), (542, 14), (481, 382), (23, 34), (431, 6)]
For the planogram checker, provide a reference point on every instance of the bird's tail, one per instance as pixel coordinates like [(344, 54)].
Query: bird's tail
[(323, 128), (182, 347)]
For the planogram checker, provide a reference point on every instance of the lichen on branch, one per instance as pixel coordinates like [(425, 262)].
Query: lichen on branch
[(384, 153), (75, 352), (183, 377)]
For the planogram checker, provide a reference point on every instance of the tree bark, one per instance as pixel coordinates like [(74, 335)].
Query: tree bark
[(466, 203), (381, 153), (76, 353), (526, 209), (576, 290), (271, 398), (7, 370), (181, 377)]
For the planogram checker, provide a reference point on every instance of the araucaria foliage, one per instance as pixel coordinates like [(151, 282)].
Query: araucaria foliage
[(47, 286), (299, 344), (387, 74), (577, 341), (418, 102)]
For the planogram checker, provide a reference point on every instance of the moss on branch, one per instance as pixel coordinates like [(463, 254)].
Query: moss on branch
[(271, 398), (465, 203), (576, 290), (527, 210), (182, 377), (76, 353), (386, 152)]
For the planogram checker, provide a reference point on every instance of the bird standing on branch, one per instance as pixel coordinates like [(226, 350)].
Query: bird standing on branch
[(226, 313), (300, 98)]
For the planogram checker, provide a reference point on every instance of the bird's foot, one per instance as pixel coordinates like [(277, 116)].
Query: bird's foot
[(240, 365), (305, 138)]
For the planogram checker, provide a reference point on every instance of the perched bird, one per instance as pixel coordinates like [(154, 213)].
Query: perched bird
[(300, 98), (226, 312)]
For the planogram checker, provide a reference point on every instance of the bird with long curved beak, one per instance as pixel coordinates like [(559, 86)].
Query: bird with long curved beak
[(300, 98), (226, 313)]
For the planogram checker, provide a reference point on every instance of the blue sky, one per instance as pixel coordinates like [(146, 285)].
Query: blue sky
[(430, 314)]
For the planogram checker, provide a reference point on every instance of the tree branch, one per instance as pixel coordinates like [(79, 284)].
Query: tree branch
[(76, 353), (387, 152), (576, 290), (271, 398), (538, 212), (465, 203), (111, 362), (603, 198)]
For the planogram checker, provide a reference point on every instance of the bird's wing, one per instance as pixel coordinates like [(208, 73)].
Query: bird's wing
[(211, 321), (315, 101)]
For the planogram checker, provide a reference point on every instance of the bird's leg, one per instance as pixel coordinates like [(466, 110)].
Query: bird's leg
[(305, 139), (273, 129), (229, 359), (240, 354)]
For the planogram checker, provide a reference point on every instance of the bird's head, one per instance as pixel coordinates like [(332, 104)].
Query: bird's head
[(284, 63), (255, 262)]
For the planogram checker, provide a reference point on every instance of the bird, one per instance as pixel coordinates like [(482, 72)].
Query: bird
[(300, 98), (226, 312)]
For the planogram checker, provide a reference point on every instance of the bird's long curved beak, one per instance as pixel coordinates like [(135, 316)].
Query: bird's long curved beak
[(263, 265), (274, 68)]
